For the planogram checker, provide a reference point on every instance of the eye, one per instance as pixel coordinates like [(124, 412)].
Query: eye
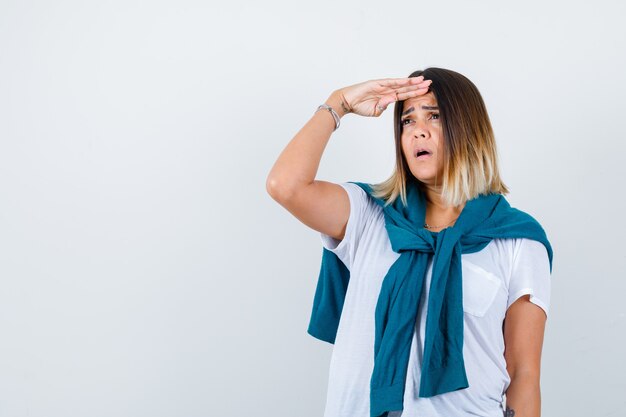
[(434, 115)]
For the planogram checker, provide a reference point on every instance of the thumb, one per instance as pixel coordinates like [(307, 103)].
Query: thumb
[(384, 103)]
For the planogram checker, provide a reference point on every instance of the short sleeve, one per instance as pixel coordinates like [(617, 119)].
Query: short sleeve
[(345, 249), (530, 273)]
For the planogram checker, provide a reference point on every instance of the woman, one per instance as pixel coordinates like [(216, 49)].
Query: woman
[(434, 290)]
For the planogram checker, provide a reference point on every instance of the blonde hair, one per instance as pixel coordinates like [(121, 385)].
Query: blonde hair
[(469, 146)]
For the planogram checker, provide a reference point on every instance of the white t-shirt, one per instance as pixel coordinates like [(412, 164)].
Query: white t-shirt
[(493, 279)]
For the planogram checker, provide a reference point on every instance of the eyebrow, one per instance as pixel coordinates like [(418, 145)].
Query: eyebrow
[(410, 109)]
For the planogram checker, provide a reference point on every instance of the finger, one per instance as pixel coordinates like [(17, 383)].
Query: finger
[(424, 84), (385, 101), (396, 82), (400, 89), (402, 93), (409, 94)]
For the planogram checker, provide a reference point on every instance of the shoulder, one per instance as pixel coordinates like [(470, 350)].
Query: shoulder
[(512, 248), (503, 255), (525, 227), (507, 214), (360, 196), (359, 199)]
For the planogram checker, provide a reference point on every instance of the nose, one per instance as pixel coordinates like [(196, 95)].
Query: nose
[(419, 129)]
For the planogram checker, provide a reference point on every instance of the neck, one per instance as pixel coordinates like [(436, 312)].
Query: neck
[(437, 212), (433, 196)]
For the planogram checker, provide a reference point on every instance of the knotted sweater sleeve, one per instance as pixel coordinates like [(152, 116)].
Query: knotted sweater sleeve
[(530, 273)]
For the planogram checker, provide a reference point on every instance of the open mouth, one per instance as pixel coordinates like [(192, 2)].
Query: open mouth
[(423, 154)]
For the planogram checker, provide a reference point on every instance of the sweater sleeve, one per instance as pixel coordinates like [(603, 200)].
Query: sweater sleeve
[(530, 273), (345, 249)]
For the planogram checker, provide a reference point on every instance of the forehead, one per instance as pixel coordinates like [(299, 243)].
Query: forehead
[(418, 102)]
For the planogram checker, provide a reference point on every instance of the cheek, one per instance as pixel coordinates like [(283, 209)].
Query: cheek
[(438, 142), (406, 146)]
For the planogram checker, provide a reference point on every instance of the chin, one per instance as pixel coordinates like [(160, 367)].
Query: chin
[(426, 178)]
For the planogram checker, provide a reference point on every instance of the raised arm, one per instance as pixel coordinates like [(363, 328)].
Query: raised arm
[(322, 205)]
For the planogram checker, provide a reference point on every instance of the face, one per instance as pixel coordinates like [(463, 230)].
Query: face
[(422, 138)]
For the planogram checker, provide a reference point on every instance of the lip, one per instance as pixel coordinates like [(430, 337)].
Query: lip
[(425, 156)]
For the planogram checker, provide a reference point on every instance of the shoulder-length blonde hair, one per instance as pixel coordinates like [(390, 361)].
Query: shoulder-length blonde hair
[(469, 146)]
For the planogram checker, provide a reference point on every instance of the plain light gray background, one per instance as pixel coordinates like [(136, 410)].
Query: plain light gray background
[(144, 271)]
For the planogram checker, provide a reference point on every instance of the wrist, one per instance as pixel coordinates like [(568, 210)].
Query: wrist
[(337, 102)]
